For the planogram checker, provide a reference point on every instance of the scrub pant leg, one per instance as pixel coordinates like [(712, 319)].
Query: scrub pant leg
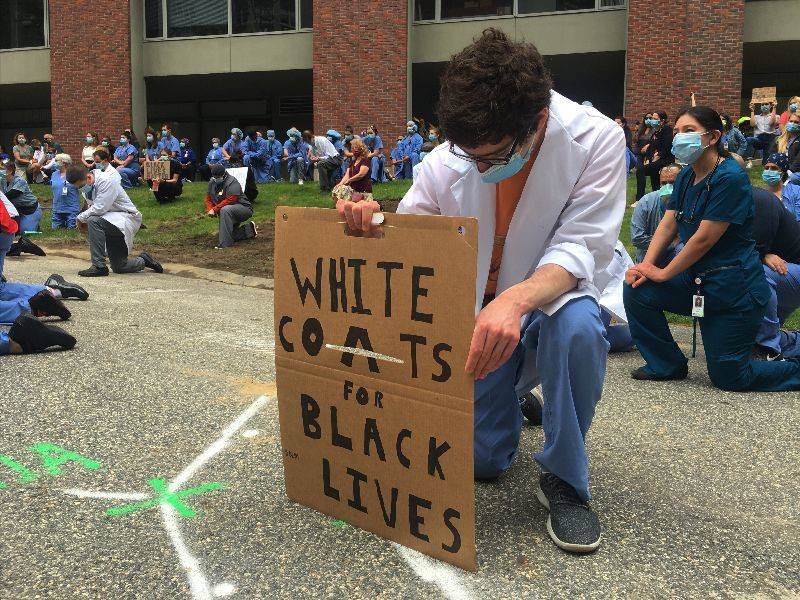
[(567, 353), (4, 346), (30, 222), (130, 177), (296, 168), (60, 220), (105, 237), (14, 299), (274, 168), (376, 171), (784, 300), (618, 336), (230, 217)]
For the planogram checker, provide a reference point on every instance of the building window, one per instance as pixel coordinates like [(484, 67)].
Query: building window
[(255, 16), (188, 18), (424, 10), (306, 14), (153, 19), (23, 24), (457, 9), (544, 6)]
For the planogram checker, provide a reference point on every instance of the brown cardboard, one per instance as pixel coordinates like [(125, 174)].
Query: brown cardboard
[(765, 95), (418, 405), (156, 170)]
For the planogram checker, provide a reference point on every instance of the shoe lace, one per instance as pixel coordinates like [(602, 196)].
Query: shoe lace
[(562, 492)]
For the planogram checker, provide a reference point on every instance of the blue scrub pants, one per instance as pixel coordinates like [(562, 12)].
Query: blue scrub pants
[(130, 177), (784, 300), (274, 169), (64, 220), (567, 354), (260, 170), (377, 173), (30, 222), (618, 336), (297, 168), (407, 168), (728, 338), (13, 302)]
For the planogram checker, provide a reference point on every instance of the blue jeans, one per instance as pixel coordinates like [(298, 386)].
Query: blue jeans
[(130, 177), (567, 353), (728, 338), (64, 220), (784, 300), (297, 168), (30, 222)]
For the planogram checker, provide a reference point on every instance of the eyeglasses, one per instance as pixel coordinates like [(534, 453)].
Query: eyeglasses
[(455, 150)]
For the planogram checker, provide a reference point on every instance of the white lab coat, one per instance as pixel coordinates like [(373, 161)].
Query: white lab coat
[(611, 283), (570, 211), (110, 201)]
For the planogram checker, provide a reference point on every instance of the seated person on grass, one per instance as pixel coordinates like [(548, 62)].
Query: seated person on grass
[(167, 190), (226, 200)]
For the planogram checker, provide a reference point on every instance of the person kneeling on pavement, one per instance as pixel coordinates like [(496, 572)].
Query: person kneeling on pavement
[(111, 222), (226, 200)]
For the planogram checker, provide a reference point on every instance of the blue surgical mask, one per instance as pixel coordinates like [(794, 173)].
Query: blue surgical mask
[(688, 147), (433, 137), (410, 130), (123, 141), (765, 108), (793, 127), (652, 122), (665, 190), (149, 138), (772, 178), (215, 145), (497, 173), (105, 143), (369, 138), (183, 144), (270, 137), (164, 133), (793, 107)]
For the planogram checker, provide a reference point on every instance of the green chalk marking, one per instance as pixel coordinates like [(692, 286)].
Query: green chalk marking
[(54, 456), (166, 497), (338, 523), (26, 475)]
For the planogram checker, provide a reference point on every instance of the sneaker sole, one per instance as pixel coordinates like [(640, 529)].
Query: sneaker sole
[(576, 548)]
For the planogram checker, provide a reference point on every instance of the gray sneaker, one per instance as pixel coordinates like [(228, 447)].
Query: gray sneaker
[(572, 525)]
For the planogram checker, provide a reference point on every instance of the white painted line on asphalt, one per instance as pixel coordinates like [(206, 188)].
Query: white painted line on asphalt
[(198, 582), (107, 495), (445, 577), (364, 353), (223, 590), (250, 433), (156, 291)]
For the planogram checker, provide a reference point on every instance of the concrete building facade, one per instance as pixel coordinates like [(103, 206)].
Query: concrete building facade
[(207, 65)]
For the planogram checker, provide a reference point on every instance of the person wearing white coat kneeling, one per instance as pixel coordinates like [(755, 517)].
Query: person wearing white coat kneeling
[(545, 178), (111, 222)]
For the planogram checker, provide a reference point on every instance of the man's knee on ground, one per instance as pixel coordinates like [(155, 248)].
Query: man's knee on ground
[(729, 373)]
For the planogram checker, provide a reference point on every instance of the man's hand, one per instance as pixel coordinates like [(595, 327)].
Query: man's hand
[(776, 263), (358, 214), (83, 227), (496, 336), (211, 213)]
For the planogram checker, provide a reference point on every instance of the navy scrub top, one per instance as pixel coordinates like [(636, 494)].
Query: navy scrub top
[(731, 274)]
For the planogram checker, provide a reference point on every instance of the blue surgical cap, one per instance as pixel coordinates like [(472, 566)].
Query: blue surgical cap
[(334, 134)]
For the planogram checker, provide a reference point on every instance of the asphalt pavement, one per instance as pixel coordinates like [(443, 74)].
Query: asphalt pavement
[(171, 388)]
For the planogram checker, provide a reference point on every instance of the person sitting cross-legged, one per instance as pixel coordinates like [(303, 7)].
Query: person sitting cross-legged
[(226, 200), (111, 221)]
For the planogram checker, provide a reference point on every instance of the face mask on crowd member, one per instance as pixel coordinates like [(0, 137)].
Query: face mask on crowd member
[(270, 135), (793, 107), (183, 144), (765, 109), (771, 178), (165, 132), (411, 128), (433, 137), (497, 173), (21, 140), (236, 134), (163, 156), (215, 143), (123, 141), (89, 139), (688, 147), (106, 142), (149, 137), (667, 178), (793, 127)]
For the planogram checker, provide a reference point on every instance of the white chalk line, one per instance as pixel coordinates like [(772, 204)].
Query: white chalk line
[(445, 577), (156, 291), (198, 582), (364, 353)]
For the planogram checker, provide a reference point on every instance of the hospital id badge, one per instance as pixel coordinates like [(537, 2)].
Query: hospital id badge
[(698, 307), (64, 191)]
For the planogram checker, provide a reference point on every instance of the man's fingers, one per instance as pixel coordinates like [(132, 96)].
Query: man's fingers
[(495, 359), (366, 216), (348, 215), (475, 348), (489, 348)]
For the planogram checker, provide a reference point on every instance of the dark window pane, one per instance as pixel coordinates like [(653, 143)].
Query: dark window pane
[(22, 23), (539, 6), (253, 16), (306, 14), (455, 9), (189, 18), (424, 10), (154, 19)]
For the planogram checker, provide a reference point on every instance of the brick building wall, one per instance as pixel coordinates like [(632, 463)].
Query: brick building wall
[(361, 67), (88, 94), (680, 47)]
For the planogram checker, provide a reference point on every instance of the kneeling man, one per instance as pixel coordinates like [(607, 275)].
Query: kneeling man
[(545, 178)]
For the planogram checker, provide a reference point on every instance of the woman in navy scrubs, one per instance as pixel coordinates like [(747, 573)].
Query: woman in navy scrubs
[(717, 273)]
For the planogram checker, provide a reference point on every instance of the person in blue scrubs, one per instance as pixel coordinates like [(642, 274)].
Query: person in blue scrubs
[(376, 157), (126, 161), (410, 148), (295, 153), (717, 272), (235, 143), (150, 149), (66, 201), (256, 156), (214, 157), (649, 211), (396, 156), (188, 161), (169, 141), (274, 157)]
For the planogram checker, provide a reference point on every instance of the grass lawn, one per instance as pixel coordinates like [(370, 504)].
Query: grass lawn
[(181, 232)]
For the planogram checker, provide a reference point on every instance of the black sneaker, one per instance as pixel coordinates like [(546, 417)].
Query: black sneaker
[(766, 354), (642, 374), (151, 263), (531, 405), (35, 336), (44, 304), (26, 246), (250, 230), (94, 271), (67, 289), (572, 525)]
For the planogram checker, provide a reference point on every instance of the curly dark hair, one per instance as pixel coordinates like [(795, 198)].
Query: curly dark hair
[(492, 89)]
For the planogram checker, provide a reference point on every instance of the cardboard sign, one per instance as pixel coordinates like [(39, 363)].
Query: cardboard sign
[(765, 95), (376, 411), (156, 170)]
